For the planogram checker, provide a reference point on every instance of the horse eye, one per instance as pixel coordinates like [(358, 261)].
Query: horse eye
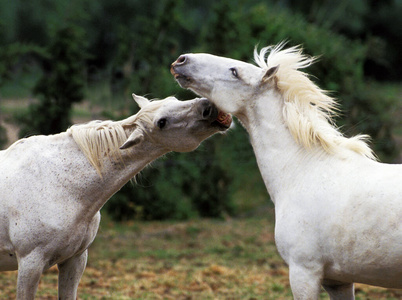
[(234, 72), (161, 123)]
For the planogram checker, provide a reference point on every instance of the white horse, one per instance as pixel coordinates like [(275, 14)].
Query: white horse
[(338, 211), (52, 187)]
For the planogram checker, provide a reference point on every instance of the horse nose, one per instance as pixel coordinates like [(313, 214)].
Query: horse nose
[(209, 111), (181, 60)]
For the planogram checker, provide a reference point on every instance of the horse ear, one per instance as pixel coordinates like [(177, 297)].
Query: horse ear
[(270, 74), (135, 138), (141, 101)]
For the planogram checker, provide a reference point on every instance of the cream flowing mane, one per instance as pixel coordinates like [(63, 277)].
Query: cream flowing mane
[(100, 139), (308, 110)]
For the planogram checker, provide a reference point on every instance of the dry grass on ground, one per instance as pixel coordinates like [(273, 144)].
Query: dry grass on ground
[(203, 259)]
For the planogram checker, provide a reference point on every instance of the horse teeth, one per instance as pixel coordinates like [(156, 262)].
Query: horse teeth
[(224, 118)]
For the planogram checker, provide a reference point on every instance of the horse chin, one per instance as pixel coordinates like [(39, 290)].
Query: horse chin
[(188, 82), (184, 81), (220, 127)]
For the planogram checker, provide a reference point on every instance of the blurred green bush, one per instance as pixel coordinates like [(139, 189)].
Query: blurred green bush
[(339, 69), (177, 186), (61, 85)]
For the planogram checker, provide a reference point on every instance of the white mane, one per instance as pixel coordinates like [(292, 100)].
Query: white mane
[(308, 110), (99, 139)]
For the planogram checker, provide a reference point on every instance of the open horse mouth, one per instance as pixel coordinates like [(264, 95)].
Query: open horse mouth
[(223, 119), (182, 79), (214, 117)]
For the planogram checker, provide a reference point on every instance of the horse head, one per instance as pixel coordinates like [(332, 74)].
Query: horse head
[(175, 125), (162, 126), (229, 83)]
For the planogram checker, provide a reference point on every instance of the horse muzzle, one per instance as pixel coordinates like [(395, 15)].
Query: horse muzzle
[(183, 79)]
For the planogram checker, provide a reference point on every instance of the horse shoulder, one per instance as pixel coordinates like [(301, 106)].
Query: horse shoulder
[(34, 186), (358, 201)]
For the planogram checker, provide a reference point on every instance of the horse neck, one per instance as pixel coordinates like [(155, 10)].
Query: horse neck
[(279, 157), (93, 190)]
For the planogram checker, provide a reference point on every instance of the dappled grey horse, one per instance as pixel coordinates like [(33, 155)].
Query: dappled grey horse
[(52, 187)]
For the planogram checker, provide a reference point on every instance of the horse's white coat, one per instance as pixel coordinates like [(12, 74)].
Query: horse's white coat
[(51, 194), (338, 211)]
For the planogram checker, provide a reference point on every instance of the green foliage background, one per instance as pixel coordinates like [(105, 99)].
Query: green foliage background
[(102, 51)]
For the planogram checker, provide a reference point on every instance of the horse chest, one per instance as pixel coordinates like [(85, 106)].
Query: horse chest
[(295, 235), (301, 230), (75, 241)]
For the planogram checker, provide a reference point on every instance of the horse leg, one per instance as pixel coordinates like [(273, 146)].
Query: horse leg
[(30, 269), (305, 283), (341, 291), (70, 273)]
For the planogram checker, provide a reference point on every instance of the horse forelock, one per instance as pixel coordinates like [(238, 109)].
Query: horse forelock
[(308, 110), (146, 114)]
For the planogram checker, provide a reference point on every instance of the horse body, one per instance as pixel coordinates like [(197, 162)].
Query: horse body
[(50, 167), (51, 188), (338, 211), (348, 236), (330, 210), (43, 222)]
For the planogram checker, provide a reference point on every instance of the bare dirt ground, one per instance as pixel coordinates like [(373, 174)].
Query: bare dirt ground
[(200, 259)]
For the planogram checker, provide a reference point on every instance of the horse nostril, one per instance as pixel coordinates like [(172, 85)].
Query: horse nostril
[(181, 60), (207, 112)]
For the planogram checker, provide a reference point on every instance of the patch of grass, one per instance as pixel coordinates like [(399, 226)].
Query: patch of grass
[(199, 259)]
